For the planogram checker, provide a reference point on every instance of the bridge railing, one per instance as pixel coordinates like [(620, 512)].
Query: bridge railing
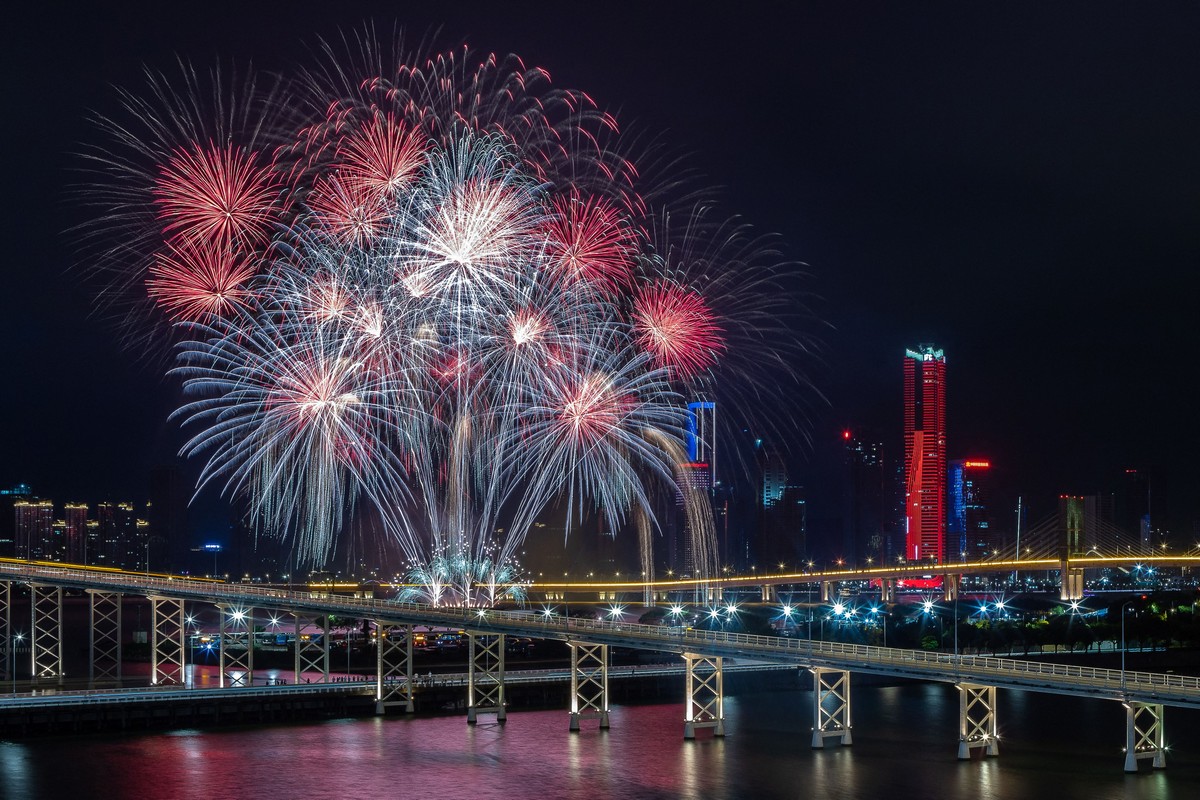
[(653, 636)]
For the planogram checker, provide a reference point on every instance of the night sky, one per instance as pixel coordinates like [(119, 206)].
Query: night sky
[(1017, 183)]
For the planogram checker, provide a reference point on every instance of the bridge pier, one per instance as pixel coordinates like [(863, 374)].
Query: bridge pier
[(705, 694), (769, 594), (589, 683), (485, 676), (45, 606), (104, 634), (950, 587), (1144, 735), (977, 720), (1071, 582), (827, 591), (887, 590), (311, 656), (393, 667), (167, 646), (831, 706), (237, 630)]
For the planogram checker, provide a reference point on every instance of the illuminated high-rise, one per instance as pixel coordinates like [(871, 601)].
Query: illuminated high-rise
[(34, 528), (925, 453)]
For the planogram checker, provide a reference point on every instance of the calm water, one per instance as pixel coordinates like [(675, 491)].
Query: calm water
[(904, 746)]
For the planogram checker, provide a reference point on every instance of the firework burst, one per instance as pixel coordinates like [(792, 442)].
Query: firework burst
[(434, 286)]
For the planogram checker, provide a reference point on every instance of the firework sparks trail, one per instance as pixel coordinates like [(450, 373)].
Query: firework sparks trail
[(436, 287)]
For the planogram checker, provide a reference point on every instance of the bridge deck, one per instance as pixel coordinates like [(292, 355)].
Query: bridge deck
[(1164, 688)]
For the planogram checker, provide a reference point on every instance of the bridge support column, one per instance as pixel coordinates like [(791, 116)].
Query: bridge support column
[(1071, 582), (589, 683), (768, 593), (887, 590), (827, 591), (831, 706), (485, 676), (237, 632), (705, 695), (950, 587), (1144, 735), (311, 655), (167, 646), (104, 661), (6, 631), (393, 667), (977, 720), (45, 604)]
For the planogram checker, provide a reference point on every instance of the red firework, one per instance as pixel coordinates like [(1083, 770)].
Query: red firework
[(381, 156), (218, 195), (591, 409), (198, 282), (590, 242), (352, 212), (677, 328)]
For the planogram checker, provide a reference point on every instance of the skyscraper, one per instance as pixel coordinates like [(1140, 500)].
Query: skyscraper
[(969, 528), (34, 528), (925, 453), (864, 501), (76, 518)]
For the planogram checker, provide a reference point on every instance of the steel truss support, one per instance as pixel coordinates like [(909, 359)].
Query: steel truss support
[(104, 662), (705, 694), (45, 603), (6, 632), (977, 720), (237, 646), (485, 676), (167, 649), (831, 706), (312, 655), (589, 683), (394, 667), (1144, 735)]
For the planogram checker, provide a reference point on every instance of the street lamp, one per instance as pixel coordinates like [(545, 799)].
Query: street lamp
[(1127, 602), (13, 641)]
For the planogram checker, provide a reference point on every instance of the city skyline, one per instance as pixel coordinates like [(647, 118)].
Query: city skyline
[(1055, 263)]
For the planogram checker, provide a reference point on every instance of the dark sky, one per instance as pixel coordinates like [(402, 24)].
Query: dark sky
[(1017, 182)]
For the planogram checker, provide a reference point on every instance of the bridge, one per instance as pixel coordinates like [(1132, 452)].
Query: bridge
[(1144, 694), (889, 578)]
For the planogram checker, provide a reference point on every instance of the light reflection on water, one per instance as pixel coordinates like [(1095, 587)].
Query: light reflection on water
[(904, 745)]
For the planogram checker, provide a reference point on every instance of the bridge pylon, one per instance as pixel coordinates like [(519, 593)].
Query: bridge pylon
[(951, 583), (705, 694), (1144, 735), (485, 676), (831, 706), (589, 683), (977, 720)]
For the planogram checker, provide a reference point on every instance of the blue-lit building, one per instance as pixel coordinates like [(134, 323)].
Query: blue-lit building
[(969, 531)]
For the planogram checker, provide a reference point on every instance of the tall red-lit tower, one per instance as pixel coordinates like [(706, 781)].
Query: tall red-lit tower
[(925, 453)]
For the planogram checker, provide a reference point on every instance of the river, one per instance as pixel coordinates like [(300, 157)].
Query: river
[(904, 746)]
